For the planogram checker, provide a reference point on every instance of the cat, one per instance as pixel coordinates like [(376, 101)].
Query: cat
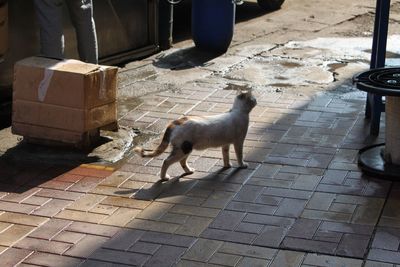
[(202, 132)]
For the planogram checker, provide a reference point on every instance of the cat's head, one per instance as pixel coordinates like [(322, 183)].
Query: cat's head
[(245, 101)]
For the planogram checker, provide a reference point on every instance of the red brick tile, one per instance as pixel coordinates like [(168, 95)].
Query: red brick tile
[(93, 172)]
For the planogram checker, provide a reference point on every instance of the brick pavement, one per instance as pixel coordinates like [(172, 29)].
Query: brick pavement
[(302, 202)]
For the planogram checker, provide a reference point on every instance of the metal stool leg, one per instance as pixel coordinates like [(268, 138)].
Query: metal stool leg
[(374, 104)]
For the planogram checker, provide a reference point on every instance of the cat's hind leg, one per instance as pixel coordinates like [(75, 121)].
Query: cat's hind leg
[(239, 154), (225, 156), (185, 166), (175, 156)]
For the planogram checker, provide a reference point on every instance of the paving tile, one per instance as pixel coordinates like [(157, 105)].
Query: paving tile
[(321, 201), (247, 250), (334, 177), (304, 228), (45, 259), (93, 229), (377, 264), (35, 200), (86, 202), (271, 236), (195, 211), (121, 217), (353, 245), (381, 255), (19, 197), (250, 228), (287, 258), (68, 237), (229, 236), (34, 244), (14, 233), (254, 262), (193, 226), (155, 211), (84, 185), (123, 239), (227, 220), (268, 220), (144, 248), (327, 236), (121, 257), (86, 246), (326, 215), (287, 193), (309, 245), (225, 259), (103, 209), (50, 229), (91, 171), (156, 226), (168, 239), (31, 220), (166, 256), (347, 228), (386, 238), (329, 261), (251, 207), (248, 193), (290, 207), (13, 256), (306, 182), (97, 263), (218, 199), (116, 178), (125, 202), (58, 194), (81, 216), (16, 207), (202, 250), (52, 207)]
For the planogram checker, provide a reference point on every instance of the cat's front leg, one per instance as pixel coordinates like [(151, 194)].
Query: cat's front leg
[(239, 154), (225, 156)]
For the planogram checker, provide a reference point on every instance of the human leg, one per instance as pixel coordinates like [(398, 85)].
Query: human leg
[(49, 15), (81, 12)]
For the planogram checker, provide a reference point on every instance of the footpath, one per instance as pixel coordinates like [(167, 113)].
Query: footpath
[(303, 201)]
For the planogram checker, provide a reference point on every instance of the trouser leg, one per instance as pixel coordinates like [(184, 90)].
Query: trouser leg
[(49, 14), (81, 12)]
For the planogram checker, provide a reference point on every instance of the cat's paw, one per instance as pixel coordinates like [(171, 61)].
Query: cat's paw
[(243, 166), (227, 166), (189, 171), (166, 178)]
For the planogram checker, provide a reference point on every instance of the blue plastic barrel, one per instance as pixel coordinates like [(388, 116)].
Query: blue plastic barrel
[(212, 24)]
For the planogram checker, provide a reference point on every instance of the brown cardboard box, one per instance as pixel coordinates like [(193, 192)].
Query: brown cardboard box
[(3, 29), (62, 99)]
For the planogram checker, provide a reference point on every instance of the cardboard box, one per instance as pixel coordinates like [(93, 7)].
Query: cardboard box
[(3, 29), (62, 99)]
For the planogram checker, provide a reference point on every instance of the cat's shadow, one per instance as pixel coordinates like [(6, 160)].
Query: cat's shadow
[(166, 188)]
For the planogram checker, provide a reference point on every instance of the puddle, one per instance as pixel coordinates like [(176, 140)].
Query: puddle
[(290, 64)]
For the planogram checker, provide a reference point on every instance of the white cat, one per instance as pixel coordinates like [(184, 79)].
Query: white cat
[(201, 132)]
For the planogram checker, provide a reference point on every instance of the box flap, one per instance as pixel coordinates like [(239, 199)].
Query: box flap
[(68, 65)]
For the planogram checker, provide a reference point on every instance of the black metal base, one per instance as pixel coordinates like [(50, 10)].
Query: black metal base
[(371, 161)]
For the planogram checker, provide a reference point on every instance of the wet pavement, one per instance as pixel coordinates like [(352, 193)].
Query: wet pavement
[(303, 201)]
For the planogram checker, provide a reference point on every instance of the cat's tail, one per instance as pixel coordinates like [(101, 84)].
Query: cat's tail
[(159, 150)]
